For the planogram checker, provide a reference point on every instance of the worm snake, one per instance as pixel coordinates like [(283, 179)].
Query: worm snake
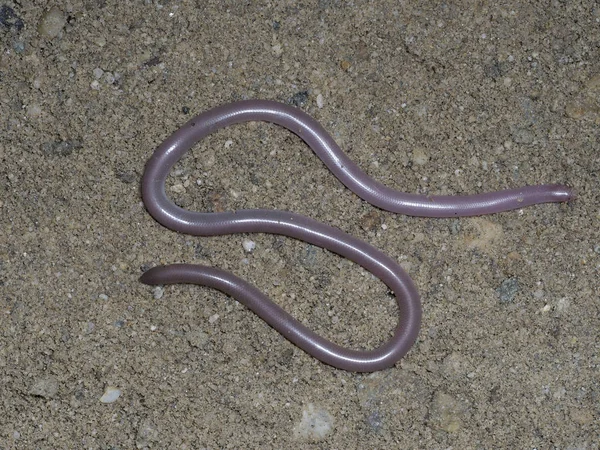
[(309, 230)]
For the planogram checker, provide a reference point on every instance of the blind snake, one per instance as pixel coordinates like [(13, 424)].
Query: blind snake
[(309, 230)]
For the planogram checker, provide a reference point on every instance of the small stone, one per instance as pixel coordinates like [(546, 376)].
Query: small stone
[(52, 23), (212, 319), (277, 50), (158, 292), (9, 19), (103, 297), (420, 157), (562, 305), (299, 99), (345, 65), (575, 110), (98, 72), (248, 245), (46, 387), (371, 220), (110, 78), (178, 188), (125, 177), (319, 101), (316, 424), (508, 290), (147, 434), (447, 413), (111, 394), (60, 148)]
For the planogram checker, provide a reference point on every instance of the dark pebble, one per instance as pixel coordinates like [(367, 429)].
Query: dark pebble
[(299, 99), (508, 290), (9, 19), (60, 148)]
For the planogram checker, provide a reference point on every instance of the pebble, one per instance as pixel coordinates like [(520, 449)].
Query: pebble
[(158, 292), (9, 19), (320, 101), (111, 394), (585, 104), (98, 72), (299, 99), (508, 290), (562, 305), (61, 148), (34, 111), (212, 319), (248, 245), (447, 413), (147, 434), (178, 188), (316, 424), (420, 157), (46, 387), (277, 50), (52, 23)]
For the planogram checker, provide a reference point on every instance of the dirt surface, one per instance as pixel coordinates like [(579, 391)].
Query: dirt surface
[(446, 98)]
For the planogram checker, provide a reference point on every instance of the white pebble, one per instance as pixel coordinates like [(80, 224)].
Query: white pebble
[(320, 100), (111, 394), (228, 143), (277, 50), (212, 319), (248, 245), (109, 78), (34, 111), (103, 297), (158, 292), (52, 23), (420, 156), (315, 425), (98, 72)]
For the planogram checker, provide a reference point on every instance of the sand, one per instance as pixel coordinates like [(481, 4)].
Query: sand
[(448, 98)]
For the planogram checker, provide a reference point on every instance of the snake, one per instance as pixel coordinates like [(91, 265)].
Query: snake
[(303, 228)]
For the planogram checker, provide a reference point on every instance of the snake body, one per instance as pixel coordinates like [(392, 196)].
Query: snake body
[(309, 230)]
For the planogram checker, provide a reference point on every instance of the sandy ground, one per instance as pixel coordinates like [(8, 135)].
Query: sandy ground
[(449, 98)]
